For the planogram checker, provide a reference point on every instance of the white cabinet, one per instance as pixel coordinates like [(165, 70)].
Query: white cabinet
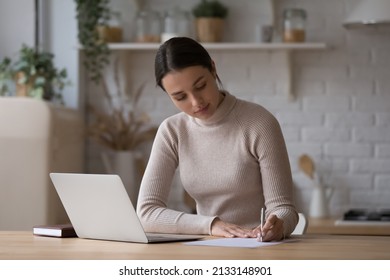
[(36, 138)]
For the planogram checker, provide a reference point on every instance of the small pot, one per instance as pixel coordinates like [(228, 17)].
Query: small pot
[(22, 90), (209, 29)]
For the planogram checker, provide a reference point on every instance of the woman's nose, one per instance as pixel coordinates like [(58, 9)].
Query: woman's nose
[(196, 100)]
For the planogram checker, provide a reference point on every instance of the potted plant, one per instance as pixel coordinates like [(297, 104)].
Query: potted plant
[(90, 15), (210, 16), (33, 74)]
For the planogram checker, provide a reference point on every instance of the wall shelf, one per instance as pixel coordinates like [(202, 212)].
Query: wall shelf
[(282, 50), (227, 46)]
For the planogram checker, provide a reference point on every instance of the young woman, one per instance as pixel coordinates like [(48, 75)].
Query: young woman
[(231, 155)]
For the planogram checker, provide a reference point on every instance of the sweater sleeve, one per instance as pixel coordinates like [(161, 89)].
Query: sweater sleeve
[(155, 188), (275, 171)]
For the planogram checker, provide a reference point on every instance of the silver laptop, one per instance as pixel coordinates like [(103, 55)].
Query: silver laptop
[(99, 207)]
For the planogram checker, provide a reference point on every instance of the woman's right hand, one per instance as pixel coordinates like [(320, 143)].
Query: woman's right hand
[(223, 229)]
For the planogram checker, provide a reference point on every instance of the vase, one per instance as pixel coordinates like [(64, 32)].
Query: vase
[(124, 164), (319, 204), (23, 89), (209, 30)]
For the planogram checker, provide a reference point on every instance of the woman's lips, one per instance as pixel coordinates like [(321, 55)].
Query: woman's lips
[(202, 110)]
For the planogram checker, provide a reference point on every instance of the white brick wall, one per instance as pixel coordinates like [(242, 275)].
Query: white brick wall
[(341, 115), (347, 91)]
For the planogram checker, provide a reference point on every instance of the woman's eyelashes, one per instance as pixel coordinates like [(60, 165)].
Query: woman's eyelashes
[(200, 87), (180, 97), (196, 88)]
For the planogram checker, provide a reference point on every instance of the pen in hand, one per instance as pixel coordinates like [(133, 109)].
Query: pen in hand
[(262, 221)]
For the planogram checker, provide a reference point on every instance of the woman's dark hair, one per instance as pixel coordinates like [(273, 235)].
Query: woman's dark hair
[(178, 53)]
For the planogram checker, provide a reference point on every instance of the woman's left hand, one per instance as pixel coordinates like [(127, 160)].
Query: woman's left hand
[(224, 229), (272, 230)]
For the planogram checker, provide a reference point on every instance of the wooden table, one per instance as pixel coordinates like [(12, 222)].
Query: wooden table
[(328, 226), (25, 246)]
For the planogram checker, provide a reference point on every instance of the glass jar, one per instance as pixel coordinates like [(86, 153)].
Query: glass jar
[(176, 23), (294, 25), (148, 25), (113, 31)]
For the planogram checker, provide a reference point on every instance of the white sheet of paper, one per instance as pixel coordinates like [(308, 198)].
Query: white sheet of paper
[(235, 242)]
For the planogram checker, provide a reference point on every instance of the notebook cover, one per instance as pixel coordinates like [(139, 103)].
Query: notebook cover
[(60, 230)]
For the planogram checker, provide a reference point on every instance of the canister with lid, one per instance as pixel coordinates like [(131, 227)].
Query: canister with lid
[(294, 25), (176, 23), (148, 24), (113, 31)]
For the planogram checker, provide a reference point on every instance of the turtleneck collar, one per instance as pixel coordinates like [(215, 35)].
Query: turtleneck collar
[(222, 111)]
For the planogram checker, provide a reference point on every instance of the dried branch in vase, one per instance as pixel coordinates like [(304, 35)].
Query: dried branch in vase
[(121, 128), (117, 132)]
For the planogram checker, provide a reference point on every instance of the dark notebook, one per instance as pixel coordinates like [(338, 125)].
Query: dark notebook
[(60, 230)]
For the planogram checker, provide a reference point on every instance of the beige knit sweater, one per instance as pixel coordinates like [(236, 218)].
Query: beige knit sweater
[(232, 164)]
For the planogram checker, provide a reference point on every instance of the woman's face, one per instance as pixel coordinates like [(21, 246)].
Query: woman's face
[(194, 91)]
